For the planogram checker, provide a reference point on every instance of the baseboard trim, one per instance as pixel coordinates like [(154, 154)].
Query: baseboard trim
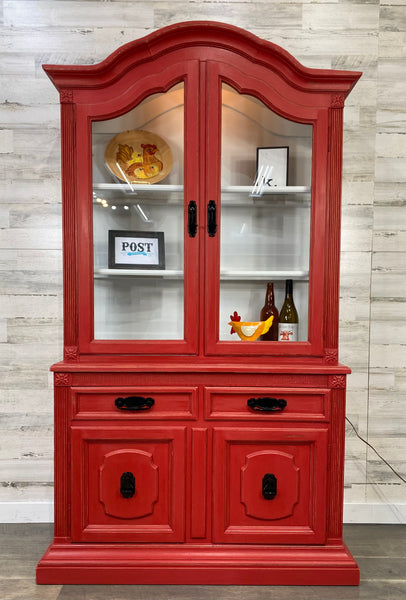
[(43, 512), (26, 512), (375, 513)]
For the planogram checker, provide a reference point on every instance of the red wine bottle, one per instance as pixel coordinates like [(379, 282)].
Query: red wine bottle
[(269, 309)]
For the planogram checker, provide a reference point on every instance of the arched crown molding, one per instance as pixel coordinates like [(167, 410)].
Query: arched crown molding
[(201, 34)]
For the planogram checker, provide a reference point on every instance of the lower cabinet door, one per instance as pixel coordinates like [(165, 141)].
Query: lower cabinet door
[(270, 485), (128, 483)]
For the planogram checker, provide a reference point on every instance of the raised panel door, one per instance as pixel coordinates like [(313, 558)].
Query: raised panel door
[(128, 483), (270, 485)]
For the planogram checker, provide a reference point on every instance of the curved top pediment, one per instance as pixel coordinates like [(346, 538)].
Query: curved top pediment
[(201, 34)]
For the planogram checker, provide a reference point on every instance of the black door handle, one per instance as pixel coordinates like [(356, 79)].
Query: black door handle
[(269, 486), (192, 218), (127, 485), (134, 403), (267, 404), (211, 218)]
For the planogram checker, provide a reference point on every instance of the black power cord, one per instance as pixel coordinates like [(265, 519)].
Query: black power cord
[(376, 451)]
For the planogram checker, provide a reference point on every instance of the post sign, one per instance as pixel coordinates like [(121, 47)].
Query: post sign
[(136, 250)]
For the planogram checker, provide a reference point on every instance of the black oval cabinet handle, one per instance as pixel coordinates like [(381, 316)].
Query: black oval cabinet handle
[(267, 404), (127, 484), (134, 403), (269, 486), (211, 218), (192, 218)]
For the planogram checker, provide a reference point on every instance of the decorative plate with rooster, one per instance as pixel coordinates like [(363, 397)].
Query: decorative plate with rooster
[(138, 156)]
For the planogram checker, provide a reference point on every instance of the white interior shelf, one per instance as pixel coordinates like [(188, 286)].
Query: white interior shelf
[(129, 188), (262, 275), (286, 189), (166, 273), (225, 275), (232, 189)]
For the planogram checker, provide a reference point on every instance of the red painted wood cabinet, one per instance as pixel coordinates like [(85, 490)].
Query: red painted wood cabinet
[(199, 164)]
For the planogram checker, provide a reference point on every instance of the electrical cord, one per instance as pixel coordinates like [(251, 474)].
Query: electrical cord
[(376, 452)]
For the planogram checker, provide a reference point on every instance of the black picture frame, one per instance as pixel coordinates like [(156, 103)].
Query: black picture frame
[(136, 250), (272, 168)]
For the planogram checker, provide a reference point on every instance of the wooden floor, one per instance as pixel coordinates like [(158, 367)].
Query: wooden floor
[(380, 551)]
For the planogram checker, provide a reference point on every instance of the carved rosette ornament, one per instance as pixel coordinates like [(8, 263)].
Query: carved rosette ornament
[(66, 96), (337, 101), (71, 353), (331, 356), (337, 382), (62, 379)]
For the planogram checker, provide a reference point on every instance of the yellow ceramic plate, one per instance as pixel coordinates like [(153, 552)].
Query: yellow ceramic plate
[(138, 156)]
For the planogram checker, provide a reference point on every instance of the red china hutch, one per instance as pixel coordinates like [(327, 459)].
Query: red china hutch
[(184, 454)]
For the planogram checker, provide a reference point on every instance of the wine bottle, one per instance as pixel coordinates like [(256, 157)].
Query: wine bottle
[(269, 309), (288, 318)]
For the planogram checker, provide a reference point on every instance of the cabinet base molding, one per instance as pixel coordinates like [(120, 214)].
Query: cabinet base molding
[(66, 563)]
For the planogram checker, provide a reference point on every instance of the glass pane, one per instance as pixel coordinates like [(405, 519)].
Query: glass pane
[(265, 210), (138, 206)]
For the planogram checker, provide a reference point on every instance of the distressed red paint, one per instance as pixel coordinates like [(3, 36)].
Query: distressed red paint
[(200, 450)]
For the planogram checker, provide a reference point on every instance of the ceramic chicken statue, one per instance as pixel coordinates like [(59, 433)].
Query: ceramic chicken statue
[(250, 331)]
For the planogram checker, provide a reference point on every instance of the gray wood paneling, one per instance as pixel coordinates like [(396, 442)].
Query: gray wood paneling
[(367, 36)]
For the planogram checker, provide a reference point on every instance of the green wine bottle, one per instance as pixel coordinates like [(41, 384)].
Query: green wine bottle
[(288, 317)]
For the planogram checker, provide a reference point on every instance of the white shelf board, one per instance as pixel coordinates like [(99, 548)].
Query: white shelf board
[(225, 275), (137, 187), (233, 275), (166, 273), (232, 189), (287, 189)]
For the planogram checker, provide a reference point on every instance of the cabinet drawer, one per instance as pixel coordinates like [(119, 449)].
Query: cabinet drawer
[(168, 403), (128, 483), (270, 485), (302, 404)]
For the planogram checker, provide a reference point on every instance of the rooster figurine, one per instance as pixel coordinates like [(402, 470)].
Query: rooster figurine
[(250, 331)]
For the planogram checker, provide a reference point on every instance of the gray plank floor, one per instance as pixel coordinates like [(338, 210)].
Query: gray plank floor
[(380, 551)]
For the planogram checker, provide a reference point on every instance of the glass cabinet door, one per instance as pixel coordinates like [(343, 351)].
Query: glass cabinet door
[(138, 221), (266, 169), (264, 208), (159, 171)]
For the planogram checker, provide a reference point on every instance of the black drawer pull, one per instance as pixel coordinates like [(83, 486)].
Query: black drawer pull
[(267, 404), (127, 485), (269, 486), (134, 403)]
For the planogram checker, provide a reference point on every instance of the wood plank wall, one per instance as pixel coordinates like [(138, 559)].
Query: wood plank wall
[(361, 35)]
